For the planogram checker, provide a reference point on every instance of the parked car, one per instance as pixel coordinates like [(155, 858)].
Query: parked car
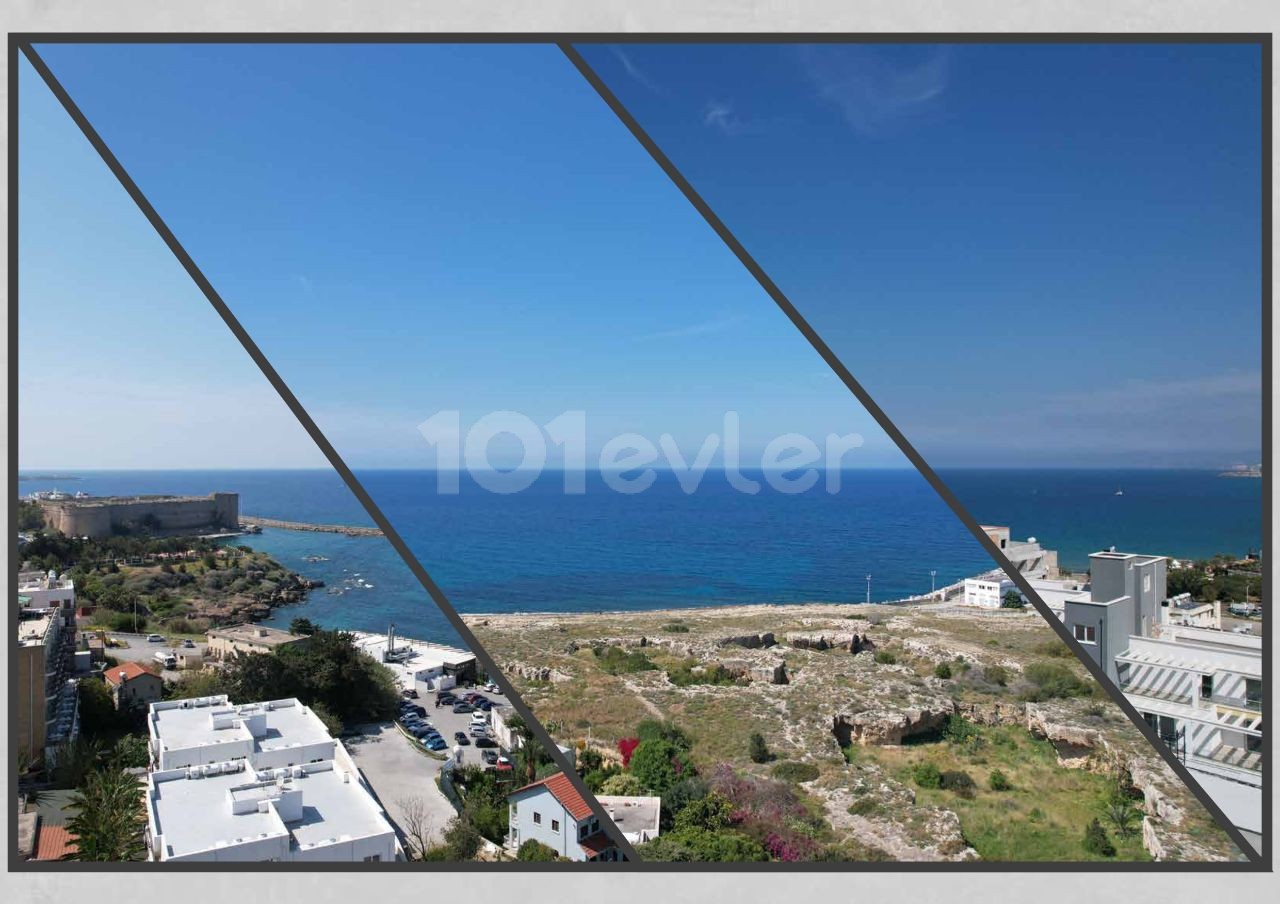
[(492, 688), (489, 756), (461, 738), (479, 731), (409, 692), (479, 718), (155, 638), (463, 708), (485, 705), (188, 644), (436, 743), (425, 731), (485, 741), (419, 710)]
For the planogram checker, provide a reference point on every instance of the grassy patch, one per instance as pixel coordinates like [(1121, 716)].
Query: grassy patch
[(1040, 814)]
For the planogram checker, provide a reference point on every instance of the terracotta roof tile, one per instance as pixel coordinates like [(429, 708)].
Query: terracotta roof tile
[(563, 790), (54, 843), (131, 670)]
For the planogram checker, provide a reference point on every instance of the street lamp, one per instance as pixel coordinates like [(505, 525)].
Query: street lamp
[(933, 580), (868, 588)]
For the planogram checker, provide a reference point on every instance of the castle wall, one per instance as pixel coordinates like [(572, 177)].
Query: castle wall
[(176, 514)]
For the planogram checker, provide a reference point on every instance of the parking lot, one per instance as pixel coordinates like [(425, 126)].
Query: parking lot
[(143, 651), (402, 775)]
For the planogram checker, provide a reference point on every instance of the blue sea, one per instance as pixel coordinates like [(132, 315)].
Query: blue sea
[(543, 550)]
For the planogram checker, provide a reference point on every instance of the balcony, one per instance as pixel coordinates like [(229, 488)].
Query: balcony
[(1229, 755), (1248, 704), (1155, 693)]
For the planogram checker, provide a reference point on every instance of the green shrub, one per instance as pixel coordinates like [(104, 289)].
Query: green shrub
[(958, 782), (684, 675), (885, 657), (926, 775), (795, 772), (959, 730), (998, 781), (942, 670), (617, 661), (996, 674), (1053, 679), (1097, 842), (866, 806), (676, 628), (757, 749), (534, 851)]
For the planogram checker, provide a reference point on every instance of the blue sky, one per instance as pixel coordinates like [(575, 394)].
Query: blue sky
[(406, 230), (1030, 255), (990, 237)]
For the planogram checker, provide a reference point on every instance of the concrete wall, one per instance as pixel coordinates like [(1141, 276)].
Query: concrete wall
[(176, 514)]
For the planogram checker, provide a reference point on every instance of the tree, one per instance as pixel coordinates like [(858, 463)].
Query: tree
[(659, 764), (109, 821), (416, 825), (757, 749), (624, 784), (302, 626), (98, 713), (709, 814), (1012, 599), (535, 851), (695, 845), (461, 838), (942, 670)]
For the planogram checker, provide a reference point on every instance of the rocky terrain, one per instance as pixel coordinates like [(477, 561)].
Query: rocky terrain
[(863, 696)]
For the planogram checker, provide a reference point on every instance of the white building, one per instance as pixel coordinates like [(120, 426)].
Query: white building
[(553, 812), (1056, 593), (46, 590), (986, 594), (638, 818), (209, 730), (419, 664), (231, 812), (1200, 689), (257, 782)]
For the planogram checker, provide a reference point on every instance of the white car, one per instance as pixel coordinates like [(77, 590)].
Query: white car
[(155, 638)]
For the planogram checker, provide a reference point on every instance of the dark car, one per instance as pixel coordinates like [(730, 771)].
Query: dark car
[(486, 742), (410, 693), (489, 756), (423, 731), (461, 737), (436, 743), (485, 705), (463, 708), (419, 710)]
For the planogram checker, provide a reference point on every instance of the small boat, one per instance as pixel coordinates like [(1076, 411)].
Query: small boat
[(1119, 492)]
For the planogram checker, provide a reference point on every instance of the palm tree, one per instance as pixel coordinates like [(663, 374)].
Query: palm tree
[(109, 822)]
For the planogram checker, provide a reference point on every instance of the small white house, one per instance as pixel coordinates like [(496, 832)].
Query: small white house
[(986, 594), (553, 812)]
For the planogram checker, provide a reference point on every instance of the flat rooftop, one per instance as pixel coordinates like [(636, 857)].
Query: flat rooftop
[(196, 814), (33, 628), (98, 501), (632, 815), (418, 655), (288, 724), (271, 637)]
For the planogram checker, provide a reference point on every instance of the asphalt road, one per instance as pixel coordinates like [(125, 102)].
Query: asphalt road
[(401, 776)]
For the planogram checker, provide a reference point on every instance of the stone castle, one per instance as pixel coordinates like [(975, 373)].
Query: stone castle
[(108, 515)]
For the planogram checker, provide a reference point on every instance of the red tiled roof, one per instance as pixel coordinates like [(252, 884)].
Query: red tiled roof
[(131, 671), (54, 843), (596, 844), (563, 791)]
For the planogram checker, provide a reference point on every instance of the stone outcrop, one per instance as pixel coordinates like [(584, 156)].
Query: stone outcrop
[(759, 641)]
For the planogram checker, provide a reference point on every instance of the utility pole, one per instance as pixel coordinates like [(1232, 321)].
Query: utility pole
[(868, 589), (933, 581)]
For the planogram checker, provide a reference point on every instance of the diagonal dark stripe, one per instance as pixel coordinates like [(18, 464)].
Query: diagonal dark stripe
[(770, 287), (324, 445)]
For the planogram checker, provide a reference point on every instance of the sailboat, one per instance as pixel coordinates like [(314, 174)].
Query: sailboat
[(1119, 492)]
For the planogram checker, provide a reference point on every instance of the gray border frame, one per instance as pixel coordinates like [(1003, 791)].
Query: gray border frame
[(1260, 862)]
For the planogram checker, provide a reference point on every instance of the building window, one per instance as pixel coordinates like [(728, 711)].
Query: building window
[(555, 825), (373, 858), (1146, 583), (1206, 687), (1085, 633), (537, 818)]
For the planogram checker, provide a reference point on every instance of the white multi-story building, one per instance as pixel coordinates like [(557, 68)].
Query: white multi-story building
[(232, 812), (257, 782), (1200, 689), (209, 730)]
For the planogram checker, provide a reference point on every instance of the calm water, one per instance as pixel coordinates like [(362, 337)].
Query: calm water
[(542, 550)]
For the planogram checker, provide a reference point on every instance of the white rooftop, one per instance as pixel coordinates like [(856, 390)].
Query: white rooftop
[(229, 805), (412, 657), (251, 729)]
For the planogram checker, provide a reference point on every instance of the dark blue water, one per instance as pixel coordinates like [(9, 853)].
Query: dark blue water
[(542, 550)]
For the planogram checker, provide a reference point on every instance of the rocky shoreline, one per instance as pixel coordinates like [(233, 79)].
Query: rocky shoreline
[(347, 530)]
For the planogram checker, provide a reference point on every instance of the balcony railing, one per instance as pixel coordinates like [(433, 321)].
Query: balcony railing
[(1249, 703)]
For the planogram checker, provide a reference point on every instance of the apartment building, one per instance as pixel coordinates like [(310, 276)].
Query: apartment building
[(45, 696), (257, 782), (1197, 686)]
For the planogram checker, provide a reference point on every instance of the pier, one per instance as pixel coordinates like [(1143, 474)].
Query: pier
[(347, 530)]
